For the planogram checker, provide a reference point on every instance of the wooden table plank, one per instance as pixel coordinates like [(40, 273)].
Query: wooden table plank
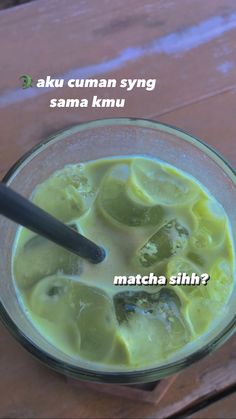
[(212, 120), (27, 383), (224, 408), (141, 47)]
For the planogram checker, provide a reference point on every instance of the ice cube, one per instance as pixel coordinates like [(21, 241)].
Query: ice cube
[(169, 312), (53, 298), (162, 310), (119, 205), (39, 258), (161, 183), (169, 240), (182, 264), (129, 302), (211, 221), (67, 194), (96, 322), (200, 312), (221, 281)]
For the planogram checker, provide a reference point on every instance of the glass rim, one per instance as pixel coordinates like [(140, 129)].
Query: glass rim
[(122, 376)]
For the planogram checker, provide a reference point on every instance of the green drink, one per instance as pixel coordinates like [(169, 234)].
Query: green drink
[(150, 217)]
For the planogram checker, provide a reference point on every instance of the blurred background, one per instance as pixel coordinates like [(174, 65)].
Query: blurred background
[(189, 47)]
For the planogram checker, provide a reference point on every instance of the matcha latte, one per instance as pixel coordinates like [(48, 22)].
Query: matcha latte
[(149, 217)]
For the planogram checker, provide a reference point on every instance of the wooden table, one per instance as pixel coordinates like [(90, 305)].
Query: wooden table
[(189, 46)]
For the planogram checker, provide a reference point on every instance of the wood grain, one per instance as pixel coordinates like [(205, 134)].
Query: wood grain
[(147, 392), (33, 391), (131, 41), (210, 119), (224, 408)]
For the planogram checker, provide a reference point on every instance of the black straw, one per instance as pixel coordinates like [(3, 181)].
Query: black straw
[(24, 212)]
